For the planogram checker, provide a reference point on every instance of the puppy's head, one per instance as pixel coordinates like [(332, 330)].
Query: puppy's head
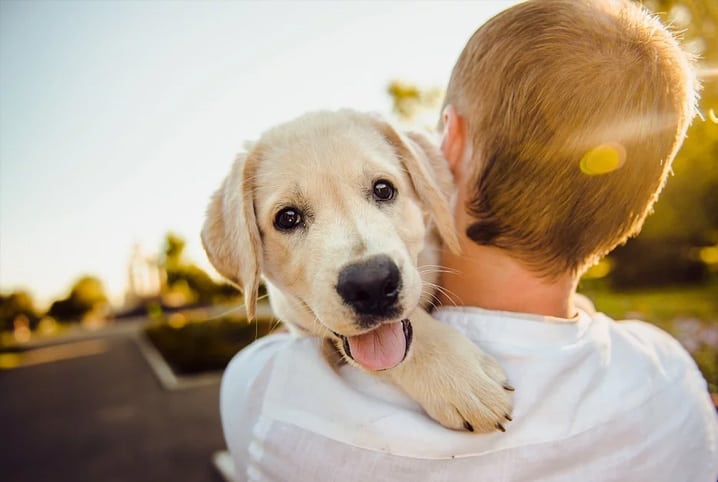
[(333, 210)]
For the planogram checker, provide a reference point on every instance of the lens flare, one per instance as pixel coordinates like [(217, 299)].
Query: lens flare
[(603, 159)]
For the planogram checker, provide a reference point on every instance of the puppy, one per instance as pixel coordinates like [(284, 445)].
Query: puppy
[(342, 215)]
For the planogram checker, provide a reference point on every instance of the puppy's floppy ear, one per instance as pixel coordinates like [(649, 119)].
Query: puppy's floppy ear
[(230, 235), (430, 175)]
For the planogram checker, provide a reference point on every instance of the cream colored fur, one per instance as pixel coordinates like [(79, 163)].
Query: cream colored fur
[(325, 164)]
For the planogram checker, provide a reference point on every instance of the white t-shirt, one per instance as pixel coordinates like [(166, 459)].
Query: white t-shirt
[(595, 400)]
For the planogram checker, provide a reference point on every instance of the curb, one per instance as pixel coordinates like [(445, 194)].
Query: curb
[(164, 373)]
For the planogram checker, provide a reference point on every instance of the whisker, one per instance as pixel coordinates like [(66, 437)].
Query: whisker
[(232, 310), (433, 300), (276, 323), (438, 268), (433, 248), (227, 312), (432, 305), (448, 294), (324, 332)]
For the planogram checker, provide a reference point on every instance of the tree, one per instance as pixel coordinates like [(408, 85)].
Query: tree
[(414, 105), (15, 305), (173, 249), (188, 282), (86, 295)]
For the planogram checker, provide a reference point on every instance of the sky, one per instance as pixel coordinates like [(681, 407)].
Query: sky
[(118, 119)]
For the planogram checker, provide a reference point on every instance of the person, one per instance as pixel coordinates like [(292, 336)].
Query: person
[(560, 123)]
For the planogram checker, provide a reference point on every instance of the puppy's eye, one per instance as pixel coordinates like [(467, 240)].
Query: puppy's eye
[(383, 191), (287, 219)]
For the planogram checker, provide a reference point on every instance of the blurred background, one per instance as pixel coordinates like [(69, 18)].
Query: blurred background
[(118, 119)]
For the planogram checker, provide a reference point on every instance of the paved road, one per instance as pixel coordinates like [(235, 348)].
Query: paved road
[(104, 417)]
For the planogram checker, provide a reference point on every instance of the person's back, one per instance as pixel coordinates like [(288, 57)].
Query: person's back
[(562, 119), (599, 400)]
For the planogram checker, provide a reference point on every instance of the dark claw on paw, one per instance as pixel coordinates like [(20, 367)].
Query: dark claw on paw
[(508, 417), (508, 387), (468, 426), (500, 427)]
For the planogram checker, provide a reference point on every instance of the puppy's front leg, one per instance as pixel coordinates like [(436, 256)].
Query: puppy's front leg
[(457, 384)]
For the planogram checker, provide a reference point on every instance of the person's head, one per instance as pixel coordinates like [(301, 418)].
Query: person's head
[(563, 118)]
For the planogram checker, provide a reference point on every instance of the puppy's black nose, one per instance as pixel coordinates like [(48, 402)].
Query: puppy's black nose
[(371, 287)]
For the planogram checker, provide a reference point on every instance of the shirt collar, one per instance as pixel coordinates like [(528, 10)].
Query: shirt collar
[(514, 328)]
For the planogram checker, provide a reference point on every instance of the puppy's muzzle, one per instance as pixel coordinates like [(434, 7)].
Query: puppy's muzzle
[(371, 288)]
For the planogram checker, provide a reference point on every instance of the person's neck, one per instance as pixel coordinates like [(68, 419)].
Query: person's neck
[(489, 278)]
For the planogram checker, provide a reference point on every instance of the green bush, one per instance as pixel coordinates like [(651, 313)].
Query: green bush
[(649, 263), (14, 305), (86, 294), (195, 346)]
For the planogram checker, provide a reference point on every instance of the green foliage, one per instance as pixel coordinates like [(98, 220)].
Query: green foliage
[(646, 262), (14, 305), (659, 306), (88, 291), (173, 249), (410, 102), (195, 346), (86, 295), (187, 280)]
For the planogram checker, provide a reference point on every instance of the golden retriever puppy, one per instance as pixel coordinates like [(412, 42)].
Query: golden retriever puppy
[(342, 216)]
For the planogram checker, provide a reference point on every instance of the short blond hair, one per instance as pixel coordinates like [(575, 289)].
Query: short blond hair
[(545, 87)]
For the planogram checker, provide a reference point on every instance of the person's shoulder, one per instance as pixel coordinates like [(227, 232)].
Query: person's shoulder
[(266, 348), (260, 356), (679, 403), (650, 340), (249, 376), (648, 351)]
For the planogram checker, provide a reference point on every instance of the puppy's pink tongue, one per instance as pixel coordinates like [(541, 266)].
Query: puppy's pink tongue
[(380, 349)]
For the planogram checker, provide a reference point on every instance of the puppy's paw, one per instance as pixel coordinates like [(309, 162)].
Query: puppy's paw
[(457, 384), (472, 395)]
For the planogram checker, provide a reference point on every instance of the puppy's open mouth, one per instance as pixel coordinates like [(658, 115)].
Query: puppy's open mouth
[(382, 348)]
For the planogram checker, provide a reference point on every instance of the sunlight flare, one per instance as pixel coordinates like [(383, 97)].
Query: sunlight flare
[(603, 159)]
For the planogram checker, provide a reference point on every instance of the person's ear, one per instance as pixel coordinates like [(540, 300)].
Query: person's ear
[(453, 138)]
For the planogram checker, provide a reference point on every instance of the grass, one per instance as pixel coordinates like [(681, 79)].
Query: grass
[(659, 306)]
